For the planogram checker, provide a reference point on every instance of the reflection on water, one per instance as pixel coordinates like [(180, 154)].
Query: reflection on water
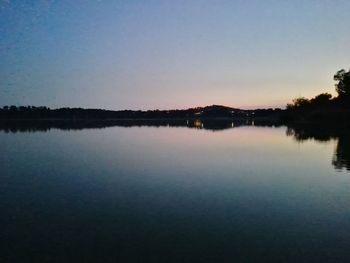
[(341, 156), (154, 192), (198, 124), (207, 124)]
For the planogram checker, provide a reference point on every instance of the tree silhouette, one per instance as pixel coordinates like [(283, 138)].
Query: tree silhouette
[(322, 99), (298, 103), (343, 85)]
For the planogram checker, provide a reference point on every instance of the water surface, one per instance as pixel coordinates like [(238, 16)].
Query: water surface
[(175, 194)]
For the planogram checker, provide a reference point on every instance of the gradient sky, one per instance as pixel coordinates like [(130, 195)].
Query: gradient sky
[(170, 54)]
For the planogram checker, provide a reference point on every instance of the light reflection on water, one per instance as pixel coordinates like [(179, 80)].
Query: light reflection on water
[(173, 194)]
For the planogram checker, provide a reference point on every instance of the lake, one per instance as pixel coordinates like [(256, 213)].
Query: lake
[(175, 194)]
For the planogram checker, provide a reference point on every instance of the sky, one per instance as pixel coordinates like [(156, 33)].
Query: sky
[(170, 54)]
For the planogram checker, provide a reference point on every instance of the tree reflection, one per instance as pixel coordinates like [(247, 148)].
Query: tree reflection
[(320, 133), (341, 156), (213, 124)]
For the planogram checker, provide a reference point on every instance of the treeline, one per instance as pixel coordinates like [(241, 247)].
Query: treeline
[(214, 111), (324, 107)]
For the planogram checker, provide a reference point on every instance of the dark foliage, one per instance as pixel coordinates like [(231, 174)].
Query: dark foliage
[(323, 107), (214, 111), (343, 84)]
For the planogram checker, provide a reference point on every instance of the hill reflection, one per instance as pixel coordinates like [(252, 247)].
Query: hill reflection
[(205, 124), (323, 133)]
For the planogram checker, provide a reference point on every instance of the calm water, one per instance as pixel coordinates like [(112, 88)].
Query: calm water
[(175, 194)]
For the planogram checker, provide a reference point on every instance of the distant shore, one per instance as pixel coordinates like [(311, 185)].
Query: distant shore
[(214, 111), (315, 111)]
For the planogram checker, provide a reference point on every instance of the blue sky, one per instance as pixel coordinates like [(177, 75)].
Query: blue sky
[(170, 54)]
